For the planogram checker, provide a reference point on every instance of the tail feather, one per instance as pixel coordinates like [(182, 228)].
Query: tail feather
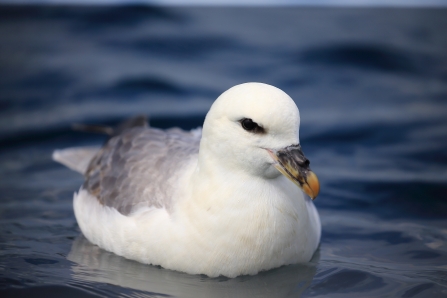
[(77, 158)]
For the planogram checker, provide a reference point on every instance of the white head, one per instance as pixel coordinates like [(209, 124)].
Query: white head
[(253, 127)]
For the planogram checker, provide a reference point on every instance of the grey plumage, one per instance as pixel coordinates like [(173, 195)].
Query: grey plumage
[(138, 167)]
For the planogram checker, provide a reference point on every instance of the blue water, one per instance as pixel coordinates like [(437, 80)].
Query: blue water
[(371, 85)]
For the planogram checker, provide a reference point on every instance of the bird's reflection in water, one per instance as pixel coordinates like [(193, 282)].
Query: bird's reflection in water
[(92, 264)]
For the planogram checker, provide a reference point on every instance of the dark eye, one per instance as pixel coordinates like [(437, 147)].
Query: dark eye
[(251, 126)]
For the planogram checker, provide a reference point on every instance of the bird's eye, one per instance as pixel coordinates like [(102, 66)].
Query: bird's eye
[(250, 125)]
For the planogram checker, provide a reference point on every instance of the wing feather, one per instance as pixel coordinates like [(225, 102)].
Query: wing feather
[(138, 167)]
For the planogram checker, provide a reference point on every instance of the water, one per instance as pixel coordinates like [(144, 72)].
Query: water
[(371, 85)]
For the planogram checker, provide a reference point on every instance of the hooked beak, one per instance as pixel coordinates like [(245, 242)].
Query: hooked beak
[(292, 163)]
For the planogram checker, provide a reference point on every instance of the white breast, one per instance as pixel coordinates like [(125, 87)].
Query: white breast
[(237, 233)]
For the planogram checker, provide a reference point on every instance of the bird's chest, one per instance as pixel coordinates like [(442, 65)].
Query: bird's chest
[(250, 232)]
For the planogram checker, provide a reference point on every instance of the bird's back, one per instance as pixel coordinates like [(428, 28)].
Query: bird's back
[(137, 168), (140, 168)]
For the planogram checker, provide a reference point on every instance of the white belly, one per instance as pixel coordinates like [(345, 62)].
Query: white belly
[(244, 242)]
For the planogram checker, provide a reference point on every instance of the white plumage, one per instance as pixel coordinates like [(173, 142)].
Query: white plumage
[(215, 205)]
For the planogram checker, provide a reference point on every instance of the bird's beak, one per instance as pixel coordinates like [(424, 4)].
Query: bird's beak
[(292, 163)]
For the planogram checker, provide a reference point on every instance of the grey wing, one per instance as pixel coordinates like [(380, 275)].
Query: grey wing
[(140, 167)]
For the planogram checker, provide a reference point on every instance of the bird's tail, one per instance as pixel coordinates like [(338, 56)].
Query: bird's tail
[(78, 158)]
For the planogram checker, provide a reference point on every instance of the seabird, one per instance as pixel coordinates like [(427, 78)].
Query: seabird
[(234, 198)]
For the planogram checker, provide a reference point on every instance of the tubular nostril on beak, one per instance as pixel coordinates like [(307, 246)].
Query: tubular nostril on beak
[(292, 163), (306, 162)]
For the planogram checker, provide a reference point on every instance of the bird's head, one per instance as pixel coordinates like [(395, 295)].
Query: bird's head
[(254, 127)]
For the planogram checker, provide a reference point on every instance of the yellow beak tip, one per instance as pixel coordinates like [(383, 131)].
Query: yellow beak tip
[(312, 188)]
